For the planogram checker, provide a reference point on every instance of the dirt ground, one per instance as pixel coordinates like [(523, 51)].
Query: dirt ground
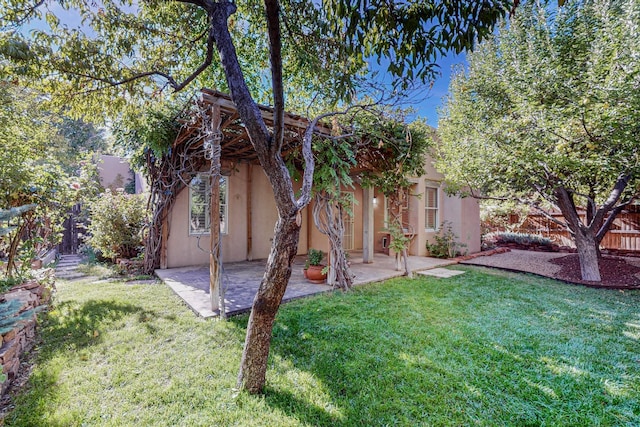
[(617, 272)]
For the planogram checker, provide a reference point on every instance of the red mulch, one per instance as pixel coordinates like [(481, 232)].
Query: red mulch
[(616, 272)]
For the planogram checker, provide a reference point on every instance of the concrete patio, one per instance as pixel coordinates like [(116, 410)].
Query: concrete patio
[(240, 280)]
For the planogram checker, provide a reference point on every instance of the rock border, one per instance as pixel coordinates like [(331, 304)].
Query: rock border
[(33, 295)]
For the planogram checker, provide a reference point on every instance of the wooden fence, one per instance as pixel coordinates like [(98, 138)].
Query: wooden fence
[(624, 234), (72, 232)]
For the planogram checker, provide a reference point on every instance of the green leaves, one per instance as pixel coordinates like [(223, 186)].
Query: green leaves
[(548, 102), (413, 35), (100, 57), (117, 221)]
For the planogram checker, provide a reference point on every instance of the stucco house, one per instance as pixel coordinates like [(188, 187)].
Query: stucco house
[(248, 212), (115, 172)]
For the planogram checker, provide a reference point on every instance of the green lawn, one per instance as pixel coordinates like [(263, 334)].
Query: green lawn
[(484, 348)]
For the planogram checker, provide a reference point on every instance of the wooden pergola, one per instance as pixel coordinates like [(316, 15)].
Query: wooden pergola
[(216, 124), (235, 144)]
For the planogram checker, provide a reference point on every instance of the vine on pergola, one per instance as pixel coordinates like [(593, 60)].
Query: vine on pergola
[(378, 149), (400, 154), (169, 167), (334, 161)]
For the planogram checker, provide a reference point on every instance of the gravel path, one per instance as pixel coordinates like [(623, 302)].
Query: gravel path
[(527, 261)]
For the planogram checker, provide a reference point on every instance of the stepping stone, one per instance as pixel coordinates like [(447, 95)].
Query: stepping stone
[(440, 272), (67, 268)]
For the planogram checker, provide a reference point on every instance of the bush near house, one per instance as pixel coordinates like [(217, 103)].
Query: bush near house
[(445, 245), (116, 224), (520, 241)]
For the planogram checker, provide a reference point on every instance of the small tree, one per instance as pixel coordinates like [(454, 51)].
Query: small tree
[(12, 233), (547, 115), (116, 224), (401, 154)]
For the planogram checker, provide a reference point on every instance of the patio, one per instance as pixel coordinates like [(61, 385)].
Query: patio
[(240, 280)]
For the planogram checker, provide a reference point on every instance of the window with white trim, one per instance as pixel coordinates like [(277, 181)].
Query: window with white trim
[(199, 206), (431, 217)]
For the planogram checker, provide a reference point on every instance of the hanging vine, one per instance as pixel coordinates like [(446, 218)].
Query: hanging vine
[(149, 140), (400, 153)]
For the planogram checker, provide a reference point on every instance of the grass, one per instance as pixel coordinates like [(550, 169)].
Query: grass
[(485, 348), (98, 270)]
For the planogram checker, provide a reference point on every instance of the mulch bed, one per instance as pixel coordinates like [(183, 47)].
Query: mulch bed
[(616, 272)]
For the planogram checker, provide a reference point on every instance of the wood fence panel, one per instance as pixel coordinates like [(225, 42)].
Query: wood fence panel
[(624, 234)]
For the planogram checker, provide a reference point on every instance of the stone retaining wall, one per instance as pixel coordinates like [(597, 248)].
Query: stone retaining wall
[(32, 296)]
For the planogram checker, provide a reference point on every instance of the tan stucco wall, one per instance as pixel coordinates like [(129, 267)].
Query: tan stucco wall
[(463, 214), (250, 182), (114, 171), (244, 181), (182, 248)]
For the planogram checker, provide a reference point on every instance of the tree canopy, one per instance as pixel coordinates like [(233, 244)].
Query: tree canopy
[(548, 114), (112, 55), (126, 53), (43, 164)]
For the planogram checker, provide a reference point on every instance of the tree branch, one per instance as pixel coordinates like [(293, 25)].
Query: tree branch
[(583, 121), (27, 11), (609, 221), (307, 154), (568, 209), (170, 79), (614, 196), (550, 217), (205, 64), (275, 58)]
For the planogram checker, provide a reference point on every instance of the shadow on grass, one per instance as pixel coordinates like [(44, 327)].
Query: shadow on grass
[(73, 326), (68, 327), (299, 409), (377, 366)]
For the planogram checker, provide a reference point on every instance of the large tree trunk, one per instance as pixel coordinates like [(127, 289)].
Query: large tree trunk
[(589, 255), (268, 146), (585, 236), (253, 366)]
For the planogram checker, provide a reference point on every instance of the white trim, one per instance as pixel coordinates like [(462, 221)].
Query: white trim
[(432, 185), (202, 179), (349, 218)]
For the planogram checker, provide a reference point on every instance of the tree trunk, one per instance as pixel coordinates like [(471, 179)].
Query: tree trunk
[(588, 252), (13, 249), (407, 270), (253, 365), (328, 218)]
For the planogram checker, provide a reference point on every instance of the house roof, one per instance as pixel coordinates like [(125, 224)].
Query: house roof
[(235, 144)]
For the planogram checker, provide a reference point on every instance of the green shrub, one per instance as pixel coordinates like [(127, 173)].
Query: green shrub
[(517, 238), (314, 256), (445, 245), (116, 224)]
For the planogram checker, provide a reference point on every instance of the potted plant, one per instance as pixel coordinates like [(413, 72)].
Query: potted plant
[(315, 271)]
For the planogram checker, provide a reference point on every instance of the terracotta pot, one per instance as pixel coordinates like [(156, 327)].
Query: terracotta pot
[(315, 275)]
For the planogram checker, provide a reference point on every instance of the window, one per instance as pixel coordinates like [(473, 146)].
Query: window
[(431, 206), (199, 213), (347, 218)]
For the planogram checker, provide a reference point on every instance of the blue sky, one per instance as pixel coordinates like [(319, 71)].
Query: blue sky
[(427, 108)]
